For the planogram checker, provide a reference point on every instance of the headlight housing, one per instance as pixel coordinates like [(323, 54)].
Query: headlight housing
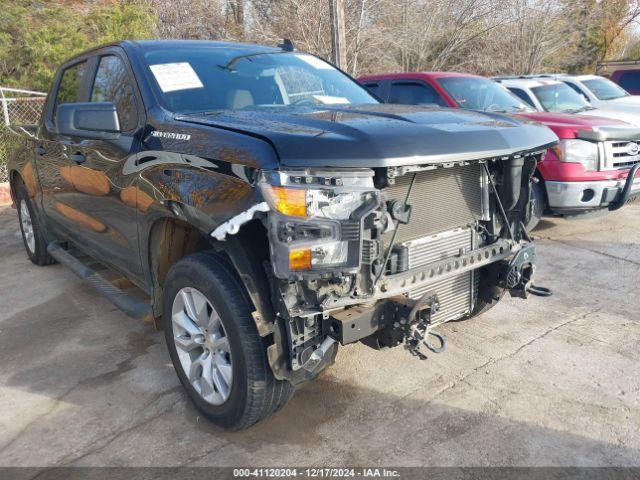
[(578, 151), (316, 219), (332, 203)]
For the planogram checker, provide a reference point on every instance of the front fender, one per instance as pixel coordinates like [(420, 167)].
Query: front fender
[(199, 192)]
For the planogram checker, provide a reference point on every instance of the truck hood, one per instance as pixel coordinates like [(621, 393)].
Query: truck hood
[(624, 113), (633, 100), (380, 135), (567, 125)]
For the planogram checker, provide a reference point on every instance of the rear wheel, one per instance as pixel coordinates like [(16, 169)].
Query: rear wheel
[(32, 236), (215, 347)]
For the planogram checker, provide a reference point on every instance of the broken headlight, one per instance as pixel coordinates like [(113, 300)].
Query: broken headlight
[(317, 216)]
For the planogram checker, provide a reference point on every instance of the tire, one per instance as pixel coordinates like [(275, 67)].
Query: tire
[(242, 389), (32, 232), (483, 306), (539, 205)]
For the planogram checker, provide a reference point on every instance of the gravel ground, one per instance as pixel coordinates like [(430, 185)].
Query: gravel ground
[(539, 382)]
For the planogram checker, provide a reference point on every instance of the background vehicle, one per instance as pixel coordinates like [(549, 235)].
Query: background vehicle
[(549, 95), (263, 207), (599, 91), (625, 73), (587, 171)]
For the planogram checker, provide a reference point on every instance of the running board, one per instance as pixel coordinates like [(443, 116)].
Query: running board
[(130, 305)]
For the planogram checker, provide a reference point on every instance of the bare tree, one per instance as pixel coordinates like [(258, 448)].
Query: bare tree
[(533, 35), (195, 19), (482, 36)]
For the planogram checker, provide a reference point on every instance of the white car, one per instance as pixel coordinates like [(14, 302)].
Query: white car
[(549, 95), (600, 91)]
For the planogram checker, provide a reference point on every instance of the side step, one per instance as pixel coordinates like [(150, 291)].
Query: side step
[(129, 304)]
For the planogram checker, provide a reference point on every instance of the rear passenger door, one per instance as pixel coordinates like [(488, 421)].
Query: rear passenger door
[(414, 92), (53, 156)]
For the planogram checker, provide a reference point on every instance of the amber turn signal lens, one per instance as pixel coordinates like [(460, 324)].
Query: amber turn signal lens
[(290, 201), (557, 149), (300, 259)]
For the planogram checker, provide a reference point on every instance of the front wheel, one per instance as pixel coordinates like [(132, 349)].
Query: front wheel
[(214, 344)]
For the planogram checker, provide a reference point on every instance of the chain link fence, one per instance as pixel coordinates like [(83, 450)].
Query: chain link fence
[(17, 107)]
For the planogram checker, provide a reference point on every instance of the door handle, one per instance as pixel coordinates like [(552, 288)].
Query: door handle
[(78, 157), (40, 150)]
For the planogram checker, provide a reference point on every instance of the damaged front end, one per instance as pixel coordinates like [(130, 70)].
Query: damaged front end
[(383, 255)]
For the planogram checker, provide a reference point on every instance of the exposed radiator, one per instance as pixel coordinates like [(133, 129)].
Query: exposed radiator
[(441, 199), (439, 246), (455, 294), (445, 202)]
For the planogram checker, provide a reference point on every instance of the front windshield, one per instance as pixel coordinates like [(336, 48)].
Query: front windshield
[(203, 79), (605, 89), (559, 97), (476, 93)]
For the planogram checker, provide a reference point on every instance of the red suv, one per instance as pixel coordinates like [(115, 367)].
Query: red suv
[(592, 168)]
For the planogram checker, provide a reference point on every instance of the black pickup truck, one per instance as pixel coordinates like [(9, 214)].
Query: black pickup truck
[(262, 208)]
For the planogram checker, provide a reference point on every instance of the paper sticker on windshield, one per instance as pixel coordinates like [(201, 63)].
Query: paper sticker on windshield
[(175, 76), (315, 62), (330, 100)]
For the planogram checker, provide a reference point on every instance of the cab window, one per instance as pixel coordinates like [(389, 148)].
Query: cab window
[(70, 85), (112, 84), (522, 95), (414, 93), (578, 90), (373, 87)]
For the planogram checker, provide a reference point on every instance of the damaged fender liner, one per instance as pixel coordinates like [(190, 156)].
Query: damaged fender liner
[(232, 226), (249, 267)]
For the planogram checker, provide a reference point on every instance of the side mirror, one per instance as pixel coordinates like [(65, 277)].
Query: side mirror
[(88, 120)]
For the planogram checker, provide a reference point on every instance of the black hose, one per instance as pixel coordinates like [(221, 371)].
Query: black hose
[(431, 346), (539, 291)]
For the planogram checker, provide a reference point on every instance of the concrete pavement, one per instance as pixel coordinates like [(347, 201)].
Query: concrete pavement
[(540, 382)]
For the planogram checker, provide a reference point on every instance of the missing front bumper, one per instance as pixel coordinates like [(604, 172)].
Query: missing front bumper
[(384, 321)]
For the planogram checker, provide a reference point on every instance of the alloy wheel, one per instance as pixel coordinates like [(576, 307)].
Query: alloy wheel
[(27, 226), (202, 345)]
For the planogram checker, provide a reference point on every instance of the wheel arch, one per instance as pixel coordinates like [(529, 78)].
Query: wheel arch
[(170, 239), (15, 180)]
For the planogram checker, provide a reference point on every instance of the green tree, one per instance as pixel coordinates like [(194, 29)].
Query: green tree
[(36, 36)]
